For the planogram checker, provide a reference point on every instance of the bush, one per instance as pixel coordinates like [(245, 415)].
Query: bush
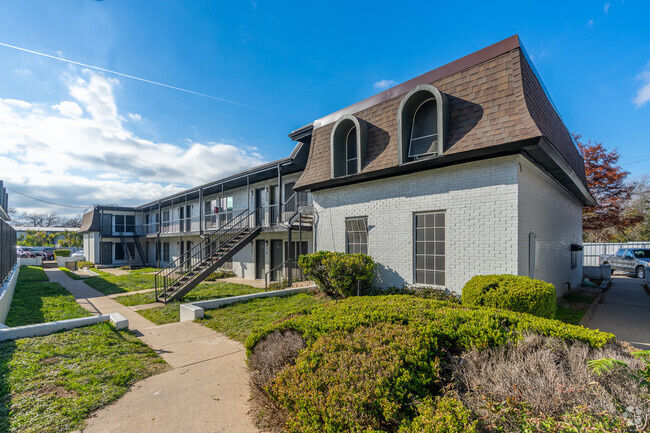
[(370, 360), (357, 381), (511, 292), (338, 274), (62, 253), (84, 264), (279, 285), (446, 414), (220, 273)]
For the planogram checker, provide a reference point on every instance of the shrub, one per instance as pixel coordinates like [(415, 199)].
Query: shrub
[(125, 268), (338, 273), (356, 381), (447, 414), (62, 253), (279, 285), (220, 273), (84, 264), (511, 292), (369, 360)]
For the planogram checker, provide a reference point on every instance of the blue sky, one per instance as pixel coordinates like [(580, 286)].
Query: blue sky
[(110, 139)]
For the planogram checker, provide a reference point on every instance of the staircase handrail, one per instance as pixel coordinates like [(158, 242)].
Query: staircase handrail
[(290, 261), (172, 267)]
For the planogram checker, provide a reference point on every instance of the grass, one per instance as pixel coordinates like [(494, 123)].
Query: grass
[(170, 313), (110, 284), (573, 306), (239, 320), (143, 271), (70, 274), (201, 292), (52, 383), (38, 301)]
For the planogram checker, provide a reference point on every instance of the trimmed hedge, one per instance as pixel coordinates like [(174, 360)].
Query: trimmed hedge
[(511, 292), (84, 264), (370, 361), (338, 273), (62, 253)]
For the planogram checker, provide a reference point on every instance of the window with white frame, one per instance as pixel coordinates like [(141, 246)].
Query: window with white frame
[(347, 146), (424, 133), (430, 248), (356, 235)]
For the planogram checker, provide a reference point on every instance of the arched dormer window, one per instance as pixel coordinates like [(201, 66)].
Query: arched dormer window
[(347, 146), (422, 123)]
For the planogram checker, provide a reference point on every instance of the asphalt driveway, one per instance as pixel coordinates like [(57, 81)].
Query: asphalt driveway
[(625, 312)]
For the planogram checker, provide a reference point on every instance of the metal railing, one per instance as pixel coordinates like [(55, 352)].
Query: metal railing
[(210, 246), (296, 272), (7, 250)]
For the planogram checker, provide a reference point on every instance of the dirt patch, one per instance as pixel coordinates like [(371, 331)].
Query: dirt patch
[(50, 360), (57, 391)]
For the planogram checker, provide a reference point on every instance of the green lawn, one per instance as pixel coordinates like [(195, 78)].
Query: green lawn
[(70, 274), (573, 306), (170, 312), (238, 321), (110, 284), (52, 383), (37, 301)]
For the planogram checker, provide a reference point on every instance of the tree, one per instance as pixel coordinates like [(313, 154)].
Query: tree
[(72, 222), (607, 183), (70, 239), (638, 205), (47, 219)]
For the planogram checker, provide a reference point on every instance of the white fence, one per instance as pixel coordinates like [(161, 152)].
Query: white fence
[(591, 251)]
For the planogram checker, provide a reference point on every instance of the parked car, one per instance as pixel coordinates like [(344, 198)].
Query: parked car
[(79, 253), (28, 252), (49, 253), (20, 252), (632, 260)]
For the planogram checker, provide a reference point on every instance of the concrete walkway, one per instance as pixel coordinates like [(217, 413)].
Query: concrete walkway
[(206, 390), (625, 312)]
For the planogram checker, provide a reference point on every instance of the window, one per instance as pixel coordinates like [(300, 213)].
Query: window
[(119, 223), (430, 248), (424, 134), (130, 223), (348, 145), (356, 235), (165, 253), (421, 123)]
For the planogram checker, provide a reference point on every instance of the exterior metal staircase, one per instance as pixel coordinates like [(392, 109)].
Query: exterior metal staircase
[(133, 252), (184, 273)]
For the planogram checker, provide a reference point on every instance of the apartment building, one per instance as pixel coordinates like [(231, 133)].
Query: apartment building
[(467, 169)]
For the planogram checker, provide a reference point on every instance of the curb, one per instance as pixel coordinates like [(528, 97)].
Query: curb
[(590, 311)]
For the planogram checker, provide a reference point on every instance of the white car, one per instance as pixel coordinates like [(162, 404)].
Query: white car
[(79, 253)]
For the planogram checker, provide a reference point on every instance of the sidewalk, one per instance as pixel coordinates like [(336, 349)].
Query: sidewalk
[(206, 390), (625, 312)]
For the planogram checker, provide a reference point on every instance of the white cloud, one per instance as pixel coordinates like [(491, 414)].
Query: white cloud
[(590, 23), (59, 154), (384, 84), (23, 71), (643, 94), (135, 117), (69, 109), (606, 8)]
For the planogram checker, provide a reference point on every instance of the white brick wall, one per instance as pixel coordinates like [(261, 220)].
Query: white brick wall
[(555, 217), (480, 200)]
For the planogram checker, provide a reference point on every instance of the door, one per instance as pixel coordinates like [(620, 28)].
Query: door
[(188, 250), (181, 219), (146, 250), (260, 259), (107, 224), (629, 261), (106, 253), (273, 205), (259, 203), (276, 260), (188, 216)]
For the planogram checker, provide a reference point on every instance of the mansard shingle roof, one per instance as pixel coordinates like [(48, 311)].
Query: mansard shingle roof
[(495, 99)]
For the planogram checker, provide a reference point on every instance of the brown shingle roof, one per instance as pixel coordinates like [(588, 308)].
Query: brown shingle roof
[(494, 99)]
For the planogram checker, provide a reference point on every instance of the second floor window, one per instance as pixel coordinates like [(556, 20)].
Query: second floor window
[(424, 133), (347, 147), (124, 223)]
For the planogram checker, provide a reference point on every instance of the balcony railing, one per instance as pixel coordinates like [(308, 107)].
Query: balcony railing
[(267, 216)]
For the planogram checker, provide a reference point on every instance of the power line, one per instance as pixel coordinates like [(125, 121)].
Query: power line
[(180, 89), (45, 201)]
